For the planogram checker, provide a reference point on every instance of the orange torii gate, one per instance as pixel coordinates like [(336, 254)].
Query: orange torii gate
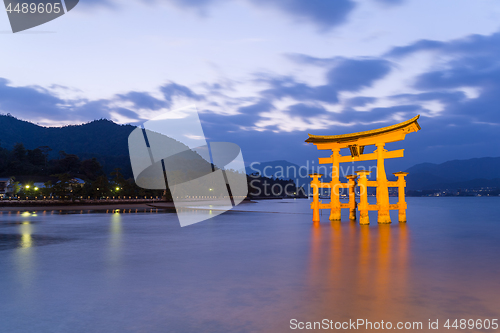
[(356, 142)]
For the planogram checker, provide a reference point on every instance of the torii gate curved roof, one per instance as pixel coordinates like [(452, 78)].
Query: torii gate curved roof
[(407, 126)]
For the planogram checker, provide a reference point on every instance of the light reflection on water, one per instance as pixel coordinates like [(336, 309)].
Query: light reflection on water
[(24, 254), (115, 242), (26, 239), (358, 271), (129, 270), (116, 230)]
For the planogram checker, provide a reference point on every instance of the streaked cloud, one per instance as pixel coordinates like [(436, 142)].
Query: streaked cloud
[(324, 14)]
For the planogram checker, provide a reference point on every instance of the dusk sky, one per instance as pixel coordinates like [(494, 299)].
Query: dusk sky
[(264, 73)]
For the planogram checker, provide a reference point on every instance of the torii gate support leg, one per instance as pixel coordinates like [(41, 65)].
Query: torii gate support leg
[(382, 188), (315, 204), (352, 197), (401, 194), (363, 197), (334, 188)]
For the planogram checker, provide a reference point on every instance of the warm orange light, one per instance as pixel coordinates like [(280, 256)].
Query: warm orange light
[(379, 138)]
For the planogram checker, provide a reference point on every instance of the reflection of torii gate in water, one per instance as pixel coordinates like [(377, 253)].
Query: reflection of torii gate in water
[(356, 142)]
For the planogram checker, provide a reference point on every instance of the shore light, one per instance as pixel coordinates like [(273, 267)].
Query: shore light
[(117, 188)]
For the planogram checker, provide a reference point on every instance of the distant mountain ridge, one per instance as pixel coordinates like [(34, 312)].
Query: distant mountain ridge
[(485, 167), (471, 173)]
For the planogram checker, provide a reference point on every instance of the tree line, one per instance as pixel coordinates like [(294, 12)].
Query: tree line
[(62, 173)]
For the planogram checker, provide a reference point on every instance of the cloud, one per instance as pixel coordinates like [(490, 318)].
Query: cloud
[(90, 4), (447, 97), (422, 45), (304, 110), (324, 14), (356, 74), (188, 3), (332, 62), (261, 106), (304, 59), (42, 105), (201, 7), (290, 105), (282, 87), (391, 2), (359, 101), (478, 45), (350, 75), (477, 72), (143, 100), (245, 118), (172, 90), (29, 100), (470, 62), (88, 110)]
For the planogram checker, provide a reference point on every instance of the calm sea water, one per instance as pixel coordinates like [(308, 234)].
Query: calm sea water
[(247, 271)]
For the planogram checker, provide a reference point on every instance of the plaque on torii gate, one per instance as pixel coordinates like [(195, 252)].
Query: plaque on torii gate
[(356, 143)]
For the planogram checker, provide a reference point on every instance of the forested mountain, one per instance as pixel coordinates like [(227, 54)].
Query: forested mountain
[(102, 139)]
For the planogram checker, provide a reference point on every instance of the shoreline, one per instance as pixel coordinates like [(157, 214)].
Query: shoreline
[(72, 206)]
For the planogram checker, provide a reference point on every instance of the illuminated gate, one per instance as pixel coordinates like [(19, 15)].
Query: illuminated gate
[(356, 142)]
